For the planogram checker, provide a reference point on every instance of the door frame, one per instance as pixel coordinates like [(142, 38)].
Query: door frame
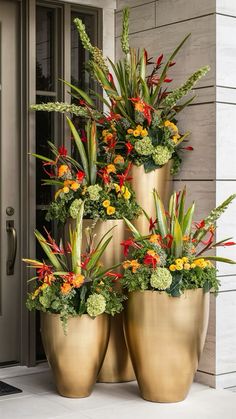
[(28, 124)]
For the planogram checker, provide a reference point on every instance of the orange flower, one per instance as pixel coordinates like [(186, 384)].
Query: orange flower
[(131, 264), (111, 168), (75, 186), (155, 238), (66, 189), (78, 281), (185, 238), (65, 288), (154, 255), (139, 106), (62, 170), (119, 159)]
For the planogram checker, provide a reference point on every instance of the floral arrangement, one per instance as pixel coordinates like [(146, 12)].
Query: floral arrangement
[(171, 257), (104, 188), (141, 123), (70, 282)]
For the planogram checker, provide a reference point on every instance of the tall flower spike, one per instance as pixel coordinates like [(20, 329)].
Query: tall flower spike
[(177, 94), (125, 32)]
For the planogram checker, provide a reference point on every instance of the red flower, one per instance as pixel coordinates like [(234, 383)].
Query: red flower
[(150, 260), (142, 107), (105, 176), (127, 244), (124, 176), (80, 175), (152, 224), (110, 79), (189, 148), (51, 242), (43, 271), (227, 244), (166, 80), (62, 151), (129, 147), (114, 275), (172, 63), (200, 225), (83, 136), (113, 117), (159, 60)]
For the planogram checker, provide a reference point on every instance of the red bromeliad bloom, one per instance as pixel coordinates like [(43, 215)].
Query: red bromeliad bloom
[(189, 148), (62, 151), (152, 224), (44, 270), (127, 244), (114, 275), (124, 176), (113, 117), (227, 244), (200, 225), (103, 173), (143, 107), (80, 175), (129, 147), (52, 243), (150, 259), (83, 136)]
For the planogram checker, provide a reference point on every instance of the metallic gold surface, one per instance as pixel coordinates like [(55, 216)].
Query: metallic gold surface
[(165, 336), (75, 358), (143, 185)]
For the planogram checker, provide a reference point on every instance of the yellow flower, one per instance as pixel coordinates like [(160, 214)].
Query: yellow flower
[(155, 238), (117, 187), (111, 210), (193, 265), (136, 133), (78, 280), (65, 189), (144, 133), (130, 131), (104, 132), (106, 203), (127, 194), (131, 264), (175, 138), (185, 238), (119, 159), (178, 261), (172, 268), (65, 288), (187, 266), (139, 106), (167, 123), (75, 186), (139, 128), (111, 168), (185, 259), (62, 170), (84, 190), (179, 267)]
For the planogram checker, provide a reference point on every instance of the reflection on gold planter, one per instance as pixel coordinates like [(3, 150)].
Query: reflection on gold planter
[(75, 358), (165, 336), (143, 185)]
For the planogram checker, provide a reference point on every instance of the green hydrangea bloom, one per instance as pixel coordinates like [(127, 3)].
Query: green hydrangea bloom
[(161, 279), (93, 191), (75, 207), (96, 304), (144, 146), (161, 155)]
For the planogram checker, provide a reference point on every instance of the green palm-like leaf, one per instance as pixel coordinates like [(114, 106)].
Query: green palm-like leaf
[(92, 151), (97, 255), (160, 214), (76, 241), (80, 148), (218, 259), (48, 251), (133, 230), (81, 93), (181, 207), (188, 219), (177, 240)]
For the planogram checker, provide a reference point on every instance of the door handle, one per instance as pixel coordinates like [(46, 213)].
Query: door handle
[(12, 246)]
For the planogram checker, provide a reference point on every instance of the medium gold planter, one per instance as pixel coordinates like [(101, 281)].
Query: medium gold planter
[(143, 185), (165, 336), (117, 366), (75, 358)]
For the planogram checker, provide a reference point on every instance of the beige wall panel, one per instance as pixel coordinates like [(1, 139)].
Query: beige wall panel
[(226, 332), (199, 50), (141, 18), (226, 226), (130, 3), (171, 11), (226, 142), (226, 51), (200, 121)]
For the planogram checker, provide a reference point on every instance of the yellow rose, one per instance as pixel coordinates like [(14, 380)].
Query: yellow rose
[(187, 266), (111, 210), (178, 261), (185, 259), (65, 189), (167, 123), (179, 267), (139, 128), (172, 268), (106, 203), (193, 265)]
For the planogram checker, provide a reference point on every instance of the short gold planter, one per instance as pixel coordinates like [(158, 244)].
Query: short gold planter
[(165, 336), (143, 185), (75, 358)]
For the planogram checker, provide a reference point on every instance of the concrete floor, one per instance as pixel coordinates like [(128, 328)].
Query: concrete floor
[(39, 400)]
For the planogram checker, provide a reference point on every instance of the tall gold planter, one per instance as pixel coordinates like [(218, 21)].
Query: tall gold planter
[(75, 358), (165, 336), (143, 185), (117, 366)]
